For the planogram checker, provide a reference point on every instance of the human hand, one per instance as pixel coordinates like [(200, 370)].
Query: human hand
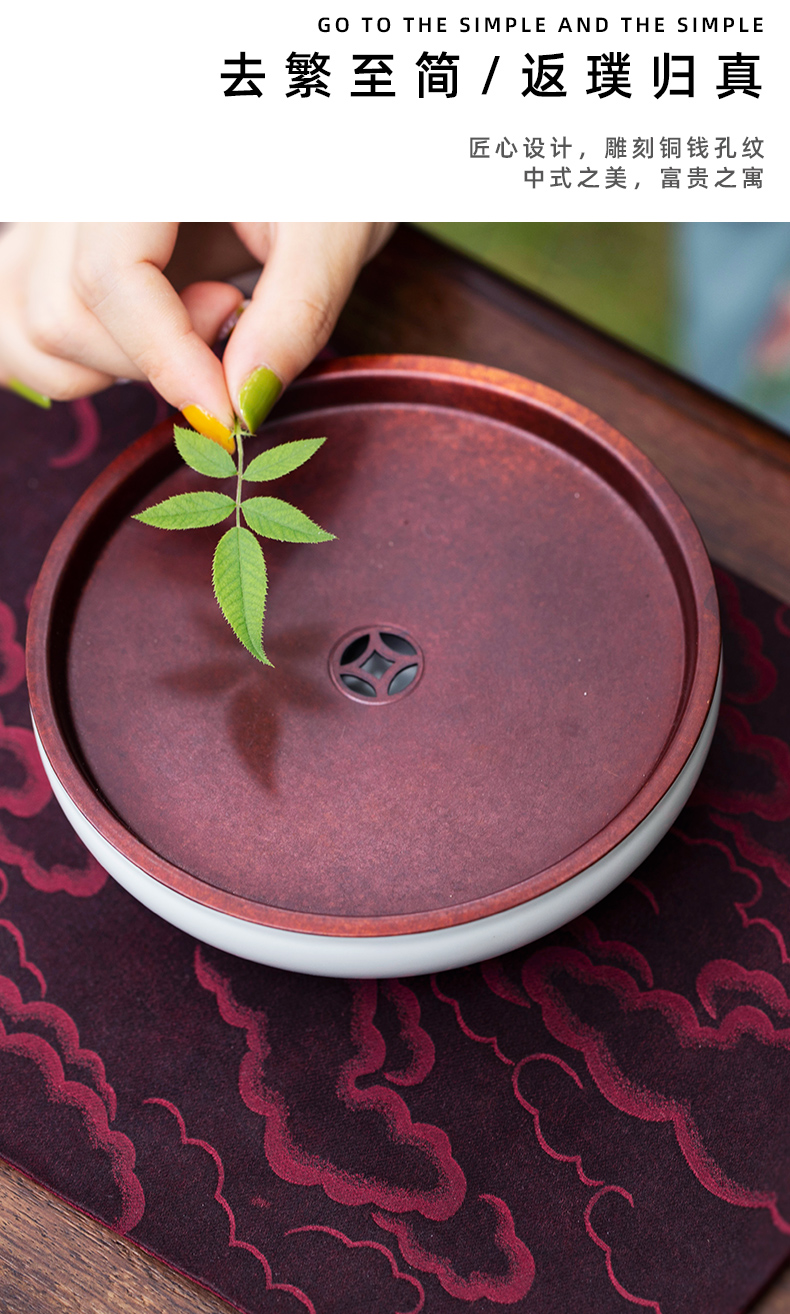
[(83, 304), (309, 270)]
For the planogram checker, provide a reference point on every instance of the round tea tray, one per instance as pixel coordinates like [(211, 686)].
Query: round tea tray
[(491, 695)]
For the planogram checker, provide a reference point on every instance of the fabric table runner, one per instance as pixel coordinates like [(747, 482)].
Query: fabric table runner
[(595, 1122)]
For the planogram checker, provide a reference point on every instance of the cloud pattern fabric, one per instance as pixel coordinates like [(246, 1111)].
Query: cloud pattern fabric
[(594, 1123)]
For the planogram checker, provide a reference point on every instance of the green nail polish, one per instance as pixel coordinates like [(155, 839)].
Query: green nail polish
[(258, 394), (29, 394)]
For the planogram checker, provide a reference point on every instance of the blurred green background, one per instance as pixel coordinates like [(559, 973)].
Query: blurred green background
[(703, 297), (617, 276)]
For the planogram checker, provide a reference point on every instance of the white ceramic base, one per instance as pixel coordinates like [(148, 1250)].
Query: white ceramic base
[(400, 955)]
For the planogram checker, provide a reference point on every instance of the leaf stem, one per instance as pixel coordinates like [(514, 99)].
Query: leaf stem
[(239, 468)]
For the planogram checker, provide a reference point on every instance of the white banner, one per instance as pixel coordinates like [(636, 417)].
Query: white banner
[(313, 111)]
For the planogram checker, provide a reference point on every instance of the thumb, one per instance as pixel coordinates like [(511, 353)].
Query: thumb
[(309, 272)]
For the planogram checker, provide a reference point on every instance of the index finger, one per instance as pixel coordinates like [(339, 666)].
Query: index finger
[(118, 274)]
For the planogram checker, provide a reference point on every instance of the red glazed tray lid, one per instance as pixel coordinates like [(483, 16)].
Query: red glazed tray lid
[(525, 596)]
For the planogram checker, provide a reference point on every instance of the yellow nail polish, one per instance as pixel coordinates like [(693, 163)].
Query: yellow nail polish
[(210, 427)]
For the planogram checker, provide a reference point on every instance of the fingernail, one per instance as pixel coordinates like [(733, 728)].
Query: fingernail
[(257, 396), (209, 426), (29, 394)]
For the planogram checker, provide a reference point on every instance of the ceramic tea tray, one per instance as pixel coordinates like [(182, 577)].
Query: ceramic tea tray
[(491, 694)]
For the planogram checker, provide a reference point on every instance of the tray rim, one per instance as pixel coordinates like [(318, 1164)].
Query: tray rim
[(42, 641)]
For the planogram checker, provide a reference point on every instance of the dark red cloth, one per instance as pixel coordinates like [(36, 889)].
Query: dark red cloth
[(597, 1121)]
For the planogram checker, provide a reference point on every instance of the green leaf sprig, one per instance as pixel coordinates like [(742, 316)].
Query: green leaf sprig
[(239, 570)]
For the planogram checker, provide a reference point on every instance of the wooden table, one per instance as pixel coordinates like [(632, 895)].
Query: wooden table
[(733, 472)]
